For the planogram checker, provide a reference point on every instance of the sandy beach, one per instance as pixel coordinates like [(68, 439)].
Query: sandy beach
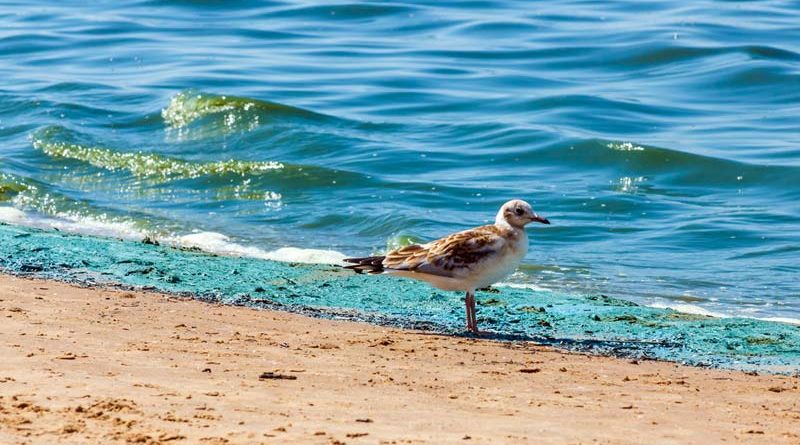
[(85, 365)]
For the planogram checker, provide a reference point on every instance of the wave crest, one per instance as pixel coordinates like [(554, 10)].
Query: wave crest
[(145, 164), (188, 106)]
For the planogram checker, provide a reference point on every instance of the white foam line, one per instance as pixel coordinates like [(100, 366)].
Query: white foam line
[(688, 309), (220, 244), (697, 310), (782, 320), (522, 286), (211, 242), (72, 224)]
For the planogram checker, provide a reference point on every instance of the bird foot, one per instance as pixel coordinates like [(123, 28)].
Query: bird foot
[(479, 333)]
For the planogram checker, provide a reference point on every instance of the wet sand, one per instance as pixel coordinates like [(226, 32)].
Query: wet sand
[(103, 366)]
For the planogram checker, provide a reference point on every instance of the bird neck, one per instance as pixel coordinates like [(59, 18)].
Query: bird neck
[(502, 223), (500, 220)]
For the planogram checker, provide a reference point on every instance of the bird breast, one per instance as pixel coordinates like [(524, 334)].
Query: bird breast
[(505, 263)]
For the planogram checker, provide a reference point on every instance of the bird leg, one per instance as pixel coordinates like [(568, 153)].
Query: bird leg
[(474, 315), (472, 321), (469, 316)]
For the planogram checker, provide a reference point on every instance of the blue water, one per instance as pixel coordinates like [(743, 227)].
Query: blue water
[(662, 139)]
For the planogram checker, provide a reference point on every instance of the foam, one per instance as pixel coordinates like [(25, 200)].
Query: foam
[(697, 310), (782, 320), (624, 146), (688, 309), (211, 242), (221, 244), (530, 286), (10, 215), (72, 223)]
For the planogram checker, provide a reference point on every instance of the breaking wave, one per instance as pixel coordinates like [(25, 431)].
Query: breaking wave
[(209, 242)]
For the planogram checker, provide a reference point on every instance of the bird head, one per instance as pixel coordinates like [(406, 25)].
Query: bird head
[(518, 213)]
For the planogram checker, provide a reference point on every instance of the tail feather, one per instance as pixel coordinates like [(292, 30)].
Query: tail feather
[(370, 264)]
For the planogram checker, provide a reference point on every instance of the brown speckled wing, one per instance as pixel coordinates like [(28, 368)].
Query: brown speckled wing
[(449, 256)]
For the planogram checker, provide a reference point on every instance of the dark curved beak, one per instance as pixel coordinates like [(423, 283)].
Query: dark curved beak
[(540, 219)]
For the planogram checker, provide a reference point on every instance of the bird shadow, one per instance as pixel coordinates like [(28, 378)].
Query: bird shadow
[(625, 348), (578, 344)]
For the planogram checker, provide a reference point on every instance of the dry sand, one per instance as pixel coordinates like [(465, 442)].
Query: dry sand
[(103, 366)]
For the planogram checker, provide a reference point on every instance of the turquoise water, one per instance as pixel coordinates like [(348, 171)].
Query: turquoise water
[(661, 139)]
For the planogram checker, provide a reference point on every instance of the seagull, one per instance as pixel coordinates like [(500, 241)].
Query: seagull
[(464, 261)]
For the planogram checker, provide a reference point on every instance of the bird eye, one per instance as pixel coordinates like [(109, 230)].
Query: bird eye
[(519, 211)]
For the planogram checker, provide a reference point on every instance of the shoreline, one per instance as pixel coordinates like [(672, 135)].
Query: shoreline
[(591, 322), (100, 365)]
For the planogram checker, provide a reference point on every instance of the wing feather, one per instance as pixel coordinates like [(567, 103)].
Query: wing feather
[(451, 256)]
